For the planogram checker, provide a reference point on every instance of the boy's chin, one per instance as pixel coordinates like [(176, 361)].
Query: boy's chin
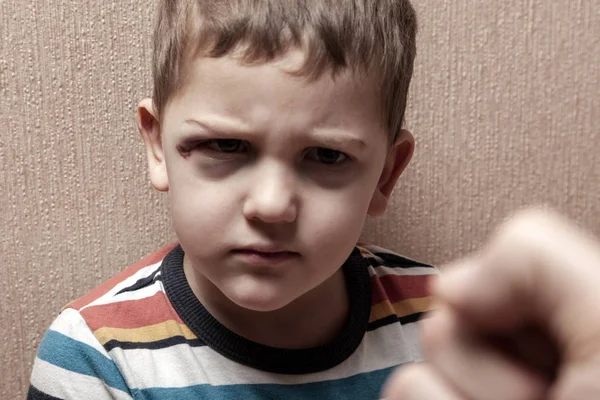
[(261, 304), (261, 300)]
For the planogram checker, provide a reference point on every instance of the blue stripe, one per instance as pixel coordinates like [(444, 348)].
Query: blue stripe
[(78, 357), (360, 387)]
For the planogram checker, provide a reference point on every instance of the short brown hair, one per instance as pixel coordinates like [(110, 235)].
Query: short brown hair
[(337, 34)]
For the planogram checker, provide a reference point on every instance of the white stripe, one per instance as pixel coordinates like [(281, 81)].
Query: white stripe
[(138, 294), (414, 271), (70, 323), (181, 366), (109, 297), (65, 384), (412, 335)]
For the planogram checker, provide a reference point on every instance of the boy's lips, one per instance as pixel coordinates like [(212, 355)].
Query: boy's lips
[(265, 255)]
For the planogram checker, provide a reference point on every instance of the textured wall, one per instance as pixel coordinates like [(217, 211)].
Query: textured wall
[(505, 107)]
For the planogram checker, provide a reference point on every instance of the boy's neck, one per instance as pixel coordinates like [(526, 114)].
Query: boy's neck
[(304, 323)]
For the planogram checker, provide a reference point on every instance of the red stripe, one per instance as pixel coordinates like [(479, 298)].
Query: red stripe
[(399, 287), (112, 282), (131, 313)]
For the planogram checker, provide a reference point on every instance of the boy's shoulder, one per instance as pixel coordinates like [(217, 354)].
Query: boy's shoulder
[(399, 286), (120, 283), (377, 256), (84, 346), (133, 302)]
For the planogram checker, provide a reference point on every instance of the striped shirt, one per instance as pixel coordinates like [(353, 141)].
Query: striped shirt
[(144, 335)]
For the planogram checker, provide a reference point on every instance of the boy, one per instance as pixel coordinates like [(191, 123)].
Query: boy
[(275, 126)]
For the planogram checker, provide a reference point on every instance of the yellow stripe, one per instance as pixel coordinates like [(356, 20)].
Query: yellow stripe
[(145, 334), (364, 252), (412, 306), (381, 310), (401, 308)]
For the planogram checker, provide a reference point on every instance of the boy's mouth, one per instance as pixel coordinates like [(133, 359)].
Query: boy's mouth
[(265, 256)]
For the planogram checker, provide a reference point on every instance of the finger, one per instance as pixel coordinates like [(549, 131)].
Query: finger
[(473, 366), (537, 267), (418, 382)]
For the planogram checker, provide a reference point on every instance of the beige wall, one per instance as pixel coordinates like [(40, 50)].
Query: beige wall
[(505, 107)]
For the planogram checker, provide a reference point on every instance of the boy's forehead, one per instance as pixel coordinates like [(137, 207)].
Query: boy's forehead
[(229, 74), (271, 95)]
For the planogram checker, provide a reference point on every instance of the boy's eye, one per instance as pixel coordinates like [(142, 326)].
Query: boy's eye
[(326, 156), (226, 145)]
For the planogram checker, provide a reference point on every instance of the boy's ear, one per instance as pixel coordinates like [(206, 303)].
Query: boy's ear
[(397, 159), (149, 127)]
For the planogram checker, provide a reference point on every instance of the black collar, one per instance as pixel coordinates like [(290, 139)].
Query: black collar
[(272, 359)]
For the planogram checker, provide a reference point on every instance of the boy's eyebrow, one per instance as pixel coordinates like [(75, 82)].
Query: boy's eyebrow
[(331, 137), (207, 125), (338, 137)]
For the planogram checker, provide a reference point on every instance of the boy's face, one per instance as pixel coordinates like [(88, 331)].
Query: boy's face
[(270, 176)]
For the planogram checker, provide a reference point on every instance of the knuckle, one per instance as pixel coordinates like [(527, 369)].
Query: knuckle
[(532, 227)]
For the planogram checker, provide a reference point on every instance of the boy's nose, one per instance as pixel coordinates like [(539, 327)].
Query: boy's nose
[(272, 197)]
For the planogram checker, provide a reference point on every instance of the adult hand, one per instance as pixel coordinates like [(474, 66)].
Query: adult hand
[(519, 320)]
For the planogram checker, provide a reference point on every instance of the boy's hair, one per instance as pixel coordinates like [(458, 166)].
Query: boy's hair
[(361, 35)]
